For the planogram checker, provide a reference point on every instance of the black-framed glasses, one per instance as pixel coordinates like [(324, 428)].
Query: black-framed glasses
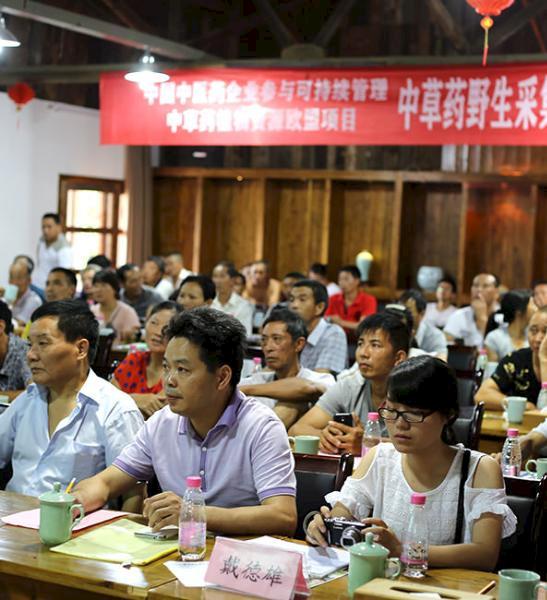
[(390, 414)]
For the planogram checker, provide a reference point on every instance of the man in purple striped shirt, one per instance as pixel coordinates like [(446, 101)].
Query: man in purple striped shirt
[(237, 446)]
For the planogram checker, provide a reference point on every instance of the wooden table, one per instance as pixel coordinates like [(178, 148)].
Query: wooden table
[(458, 579), (29, 570), (494, 429)]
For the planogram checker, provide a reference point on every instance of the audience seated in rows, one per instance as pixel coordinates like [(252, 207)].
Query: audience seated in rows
[(141, 297), (26, 301), (53, 249), (286, 387), (153, 275), (437, 313), (60, 284), (14, 370), (109, 311), (428, 338), (260, 288), (318, 272), (326, 347), (516, 310), (521, 372), (352, 305), (211, 428), (227, 300), (420, 407), (140, 372), (69, 422), (174, 269), (196, 291), (468, 325), (383, 342)]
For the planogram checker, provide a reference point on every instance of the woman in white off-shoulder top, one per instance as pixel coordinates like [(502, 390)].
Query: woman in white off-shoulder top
[(420, 408)]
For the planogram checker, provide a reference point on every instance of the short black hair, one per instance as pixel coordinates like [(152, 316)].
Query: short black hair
[(165, 305), (294, 323), (402, 313), (69, 275), (395, 329), (158, 261), (447, 278), (319, 269), (54, 216), (121, 271), (76, 321), (101, 260), (539, 282), (294, 275), (230, 268), (352, 270), (205, 283), (6, 316), (219, 337), (28, 259), (110, 278), (513, 302), (418, 298), (241, 276), (429, 383), (319, 291)]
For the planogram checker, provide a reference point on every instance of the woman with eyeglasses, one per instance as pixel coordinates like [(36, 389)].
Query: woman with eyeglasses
[(420, 408)]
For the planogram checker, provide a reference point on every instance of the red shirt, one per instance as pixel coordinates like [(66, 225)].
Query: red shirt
[(363, 306), (131, 374)]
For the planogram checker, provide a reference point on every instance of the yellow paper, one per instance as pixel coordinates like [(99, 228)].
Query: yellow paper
[(116, 542)]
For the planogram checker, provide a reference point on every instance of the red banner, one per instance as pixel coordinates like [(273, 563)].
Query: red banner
[(496, 105)]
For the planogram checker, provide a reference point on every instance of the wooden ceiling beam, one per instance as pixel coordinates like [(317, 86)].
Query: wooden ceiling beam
[(333, 23), (283, 35), (126, 15), (446, 23)]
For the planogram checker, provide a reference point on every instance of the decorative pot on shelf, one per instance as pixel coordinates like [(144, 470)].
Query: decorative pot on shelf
[(429, 277), (363, 261)]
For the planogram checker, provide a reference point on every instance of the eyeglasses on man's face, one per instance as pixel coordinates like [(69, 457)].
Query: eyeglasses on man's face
[(391, 414)]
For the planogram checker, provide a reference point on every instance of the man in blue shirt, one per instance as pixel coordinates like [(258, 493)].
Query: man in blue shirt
[(69, 422)]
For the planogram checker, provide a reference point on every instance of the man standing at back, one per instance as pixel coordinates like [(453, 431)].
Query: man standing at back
[(53, 249)]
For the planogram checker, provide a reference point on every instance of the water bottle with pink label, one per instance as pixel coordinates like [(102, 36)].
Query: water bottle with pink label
[(192, 522), (415, 554), (511, 456)]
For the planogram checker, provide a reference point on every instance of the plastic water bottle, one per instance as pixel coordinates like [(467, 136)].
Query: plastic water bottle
[(511, 456), (414, 556), (257, 364), (192, 522), (372, 435), (542, 397)]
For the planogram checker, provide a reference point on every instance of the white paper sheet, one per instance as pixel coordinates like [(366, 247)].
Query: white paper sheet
[(190, 574)]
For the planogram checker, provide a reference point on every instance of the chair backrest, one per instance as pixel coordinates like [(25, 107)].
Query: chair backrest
[(102, 364), (317, 476), (467, 426), (462, 359), (466, 391), (526, 548)]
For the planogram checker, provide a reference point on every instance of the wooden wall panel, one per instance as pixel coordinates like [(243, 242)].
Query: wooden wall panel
[(230, 221), (540, 240), (368, 210), (500, 233), (174, 216), (429, 229), (294, 224)]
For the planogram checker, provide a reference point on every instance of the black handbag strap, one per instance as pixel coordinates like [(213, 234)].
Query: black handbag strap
[(463, 479)]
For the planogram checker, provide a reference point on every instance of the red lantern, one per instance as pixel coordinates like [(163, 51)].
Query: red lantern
[(21, 94), (488, 9)]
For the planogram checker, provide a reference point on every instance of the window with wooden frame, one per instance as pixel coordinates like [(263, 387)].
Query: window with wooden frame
[(95, 215)]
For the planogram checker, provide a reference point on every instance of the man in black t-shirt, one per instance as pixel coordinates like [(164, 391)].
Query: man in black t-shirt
[(521, 372)]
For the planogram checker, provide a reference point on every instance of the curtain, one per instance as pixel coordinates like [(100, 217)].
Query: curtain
[(138, 186)]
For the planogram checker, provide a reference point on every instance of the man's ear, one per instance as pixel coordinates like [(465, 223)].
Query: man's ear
[(400, 356), (299, 344), (83, 348), (320, 309), (224, 377)]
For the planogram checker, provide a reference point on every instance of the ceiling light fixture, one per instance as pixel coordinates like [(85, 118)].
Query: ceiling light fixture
[(7, 39), (147, 73)]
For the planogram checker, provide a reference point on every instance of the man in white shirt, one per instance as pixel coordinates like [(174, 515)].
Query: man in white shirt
[(26, 301), (326, 347), (437, 313), (286, 387), (53, 249), (153, 275), (174, 269), (69, 422), (468, 324), (226, 300)]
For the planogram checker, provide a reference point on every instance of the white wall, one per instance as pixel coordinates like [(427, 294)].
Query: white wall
[(37, 144)]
